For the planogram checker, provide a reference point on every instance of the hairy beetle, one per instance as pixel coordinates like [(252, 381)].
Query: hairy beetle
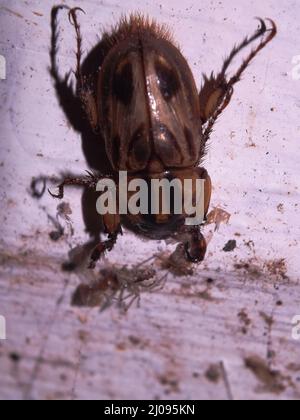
[(154, 122)]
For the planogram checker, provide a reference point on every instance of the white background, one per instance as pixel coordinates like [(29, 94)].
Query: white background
[(258, 185)]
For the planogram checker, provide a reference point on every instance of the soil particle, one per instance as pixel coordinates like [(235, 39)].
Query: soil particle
[(270, 380), (230, 246), (213, 373)]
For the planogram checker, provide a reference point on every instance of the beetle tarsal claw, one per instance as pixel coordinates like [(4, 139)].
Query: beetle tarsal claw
[(273, 25), (263, 28), (72, 14), (59, 195)]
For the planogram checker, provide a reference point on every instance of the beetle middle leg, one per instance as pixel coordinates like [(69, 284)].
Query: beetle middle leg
[(217, 91), (111, 222), (85, 90)]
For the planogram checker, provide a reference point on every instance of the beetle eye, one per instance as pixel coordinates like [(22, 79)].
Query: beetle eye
[(167, 80)]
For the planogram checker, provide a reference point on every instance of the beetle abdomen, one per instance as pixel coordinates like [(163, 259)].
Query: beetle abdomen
[(148, 101)]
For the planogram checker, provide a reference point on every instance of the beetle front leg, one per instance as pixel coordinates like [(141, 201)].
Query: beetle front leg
[(89, 181), (113, 228), (195, 247), (194, 243)]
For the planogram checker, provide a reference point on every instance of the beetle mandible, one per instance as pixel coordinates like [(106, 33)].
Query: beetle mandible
[(154, 122)]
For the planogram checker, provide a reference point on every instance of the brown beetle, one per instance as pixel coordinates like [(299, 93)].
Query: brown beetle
[(154, 121)]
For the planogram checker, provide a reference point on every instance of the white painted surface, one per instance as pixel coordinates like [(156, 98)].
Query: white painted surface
[(81, 353)]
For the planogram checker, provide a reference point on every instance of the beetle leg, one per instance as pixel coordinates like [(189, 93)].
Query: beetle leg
[(89, 181), (113, 228), (217, 91), (192, 241), (203, 174), (84, 88), (195, 248)]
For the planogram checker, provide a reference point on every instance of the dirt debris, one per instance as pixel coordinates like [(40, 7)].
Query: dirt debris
[(38, 187), (277, 267), (269, 320), (270, 380), (245, 321), (16, 14), (170, 382), (230, 246), (218, 216), (258, 268), (214, 373), (176, 263), (117, 285)]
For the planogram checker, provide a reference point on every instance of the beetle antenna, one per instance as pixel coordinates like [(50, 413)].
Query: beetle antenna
[(260, 32), (227, 87), (247, 41)]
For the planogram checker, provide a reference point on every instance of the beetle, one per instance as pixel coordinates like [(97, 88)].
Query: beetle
[(154, 121)]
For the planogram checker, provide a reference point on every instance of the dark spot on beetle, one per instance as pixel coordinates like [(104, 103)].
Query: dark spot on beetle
[(123, 84), (138, 147), (116, 143), (167, 143), (189, 140), (167, 80), (230, 246)]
